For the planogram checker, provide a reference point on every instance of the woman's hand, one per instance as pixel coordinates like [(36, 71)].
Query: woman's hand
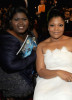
[(67, 76), (38, 13)]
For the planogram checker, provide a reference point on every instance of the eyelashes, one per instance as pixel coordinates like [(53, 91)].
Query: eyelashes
[(61, 25), (52, 25), (17, 19)]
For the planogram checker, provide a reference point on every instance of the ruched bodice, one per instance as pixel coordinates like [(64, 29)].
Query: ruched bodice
[(55, 88)]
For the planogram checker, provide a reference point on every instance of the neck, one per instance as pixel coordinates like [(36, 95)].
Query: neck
[(56, 39), (21, 37)]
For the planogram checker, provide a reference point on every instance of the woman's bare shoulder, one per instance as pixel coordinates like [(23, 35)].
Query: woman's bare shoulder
[(43, 43), (67, 37), (68, 40)]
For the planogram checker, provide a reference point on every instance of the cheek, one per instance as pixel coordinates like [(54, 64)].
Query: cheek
[(50, 29), (13, 24), (26, 24), (62, 29)]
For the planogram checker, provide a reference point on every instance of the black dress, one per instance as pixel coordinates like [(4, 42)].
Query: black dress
[(15, 71)]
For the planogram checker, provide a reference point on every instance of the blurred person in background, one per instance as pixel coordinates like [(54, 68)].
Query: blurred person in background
[(67, 15), (67, 20), (41, 17), (71, 16)]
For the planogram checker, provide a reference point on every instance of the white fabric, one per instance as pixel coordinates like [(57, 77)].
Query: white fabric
[(55, 88)]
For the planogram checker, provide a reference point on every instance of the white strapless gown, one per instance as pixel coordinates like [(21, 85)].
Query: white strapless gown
[(55, 88)]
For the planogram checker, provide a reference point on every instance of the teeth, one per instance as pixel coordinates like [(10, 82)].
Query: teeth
[(20, 27), (56, 33)]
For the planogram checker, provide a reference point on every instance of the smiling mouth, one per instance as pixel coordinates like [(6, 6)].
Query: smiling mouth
[(56, 32), (21, 28)]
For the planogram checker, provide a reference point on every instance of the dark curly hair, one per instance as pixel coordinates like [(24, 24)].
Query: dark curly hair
[(11, 12), (55, 12)]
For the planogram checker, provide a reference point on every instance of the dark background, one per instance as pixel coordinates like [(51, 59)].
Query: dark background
[(64, 3)]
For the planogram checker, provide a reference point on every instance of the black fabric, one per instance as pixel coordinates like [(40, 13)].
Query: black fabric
[(12, 63)]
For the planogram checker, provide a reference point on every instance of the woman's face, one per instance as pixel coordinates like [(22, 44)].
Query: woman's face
[(56, 27), (42, 1), (19, 22)]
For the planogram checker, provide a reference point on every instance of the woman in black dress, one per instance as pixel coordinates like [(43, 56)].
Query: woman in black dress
[(15, 71)]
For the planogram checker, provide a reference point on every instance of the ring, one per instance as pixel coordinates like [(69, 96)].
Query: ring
[(68, 80)]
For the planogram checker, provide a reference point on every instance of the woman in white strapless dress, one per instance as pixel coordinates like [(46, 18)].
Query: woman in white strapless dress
[(54, 62)]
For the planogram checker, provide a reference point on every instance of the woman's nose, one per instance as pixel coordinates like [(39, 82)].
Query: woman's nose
[(21, 21), (56, 28)]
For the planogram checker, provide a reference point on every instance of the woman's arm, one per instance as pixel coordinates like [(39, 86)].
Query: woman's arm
[(9, 60), (40, 65)]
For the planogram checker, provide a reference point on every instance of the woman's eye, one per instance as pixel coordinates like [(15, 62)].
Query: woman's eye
[(52, 25), (61, 25), (24, 19), (16, 19)]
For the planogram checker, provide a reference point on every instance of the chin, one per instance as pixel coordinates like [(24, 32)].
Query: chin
[(21, 32), (57, 37)]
